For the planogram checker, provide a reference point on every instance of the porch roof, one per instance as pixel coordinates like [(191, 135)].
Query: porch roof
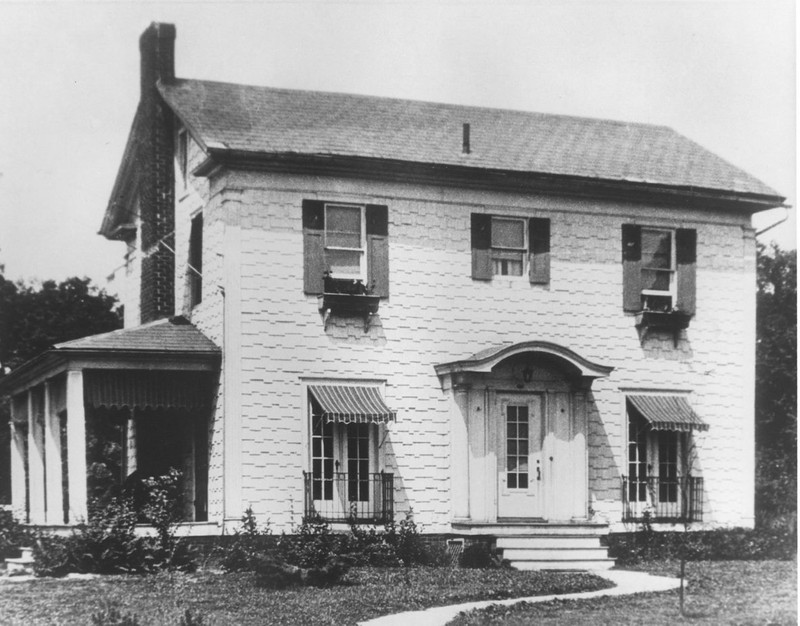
[(667, 412), (166, 344)]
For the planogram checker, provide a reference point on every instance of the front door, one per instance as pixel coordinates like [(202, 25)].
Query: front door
[(519, 456)]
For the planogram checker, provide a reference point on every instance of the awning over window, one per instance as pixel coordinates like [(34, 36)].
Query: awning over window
[(352, 404), (668, 413), (145, 389)]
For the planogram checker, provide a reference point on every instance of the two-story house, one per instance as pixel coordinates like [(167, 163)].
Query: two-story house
[(511, 323)]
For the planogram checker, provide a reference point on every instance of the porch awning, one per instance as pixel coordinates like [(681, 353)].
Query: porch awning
[(352, 404), (147, 389), (668, 413)]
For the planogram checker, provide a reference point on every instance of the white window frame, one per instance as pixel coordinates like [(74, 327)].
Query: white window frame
[(525, 250), (672, 292), (362, 274)]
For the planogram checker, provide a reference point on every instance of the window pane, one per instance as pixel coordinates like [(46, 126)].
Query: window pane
[(656, 280), (508, 233), (512, 481), (511, 463), (656, 249), (343, 240), (507, 267), (344, 261), (523, 447), (523, 481), (523, 431), (343, 219), (512, 447)]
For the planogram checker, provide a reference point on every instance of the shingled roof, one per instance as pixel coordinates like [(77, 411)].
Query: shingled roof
[(173, 335), (268, 121)]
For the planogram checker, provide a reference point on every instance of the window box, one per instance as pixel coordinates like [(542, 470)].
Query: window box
[(671, 320), (348, 297)]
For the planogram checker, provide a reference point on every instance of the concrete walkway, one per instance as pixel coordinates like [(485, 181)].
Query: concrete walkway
[(626, 583)]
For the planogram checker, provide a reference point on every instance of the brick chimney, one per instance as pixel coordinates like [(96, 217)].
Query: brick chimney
[(157, 187)]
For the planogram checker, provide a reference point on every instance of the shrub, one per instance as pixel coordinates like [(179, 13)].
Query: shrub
[(163, 508), (712, 545), (190, 618), (276, 574), (313, 546), (53, 556), (247, 544)]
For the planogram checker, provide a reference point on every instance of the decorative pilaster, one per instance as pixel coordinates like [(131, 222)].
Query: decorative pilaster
[(459, 452), (36, 484)]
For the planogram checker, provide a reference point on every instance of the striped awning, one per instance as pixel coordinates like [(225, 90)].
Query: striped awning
[(147, 389), (352, 404), (668, 413)]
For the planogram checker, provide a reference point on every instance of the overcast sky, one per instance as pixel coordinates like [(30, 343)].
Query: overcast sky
[(720, 72)]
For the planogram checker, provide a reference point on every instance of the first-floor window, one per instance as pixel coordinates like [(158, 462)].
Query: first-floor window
[(637, 458), (668, 466), (341, 458)]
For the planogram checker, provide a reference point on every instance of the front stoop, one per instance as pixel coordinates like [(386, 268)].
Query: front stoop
[(560, 551), (21, 566), (531, 545)]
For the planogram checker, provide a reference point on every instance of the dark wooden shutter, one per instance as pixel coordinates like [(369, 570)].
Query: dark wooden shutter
[(314, 265), (378, 249), (481, 229), (631, 267), (539, 240), (196, 261), (686, 257)]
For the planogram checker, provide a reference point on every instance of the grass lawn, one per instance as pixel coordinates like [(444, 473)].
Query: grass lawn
[(233, 598), (719, 592)]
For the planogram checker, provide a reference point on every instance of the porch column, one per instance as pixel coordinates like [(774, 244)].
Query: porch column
[(76, 447), (36, 484), (18, 435), (54, 512), (580, 455), (459, 452)]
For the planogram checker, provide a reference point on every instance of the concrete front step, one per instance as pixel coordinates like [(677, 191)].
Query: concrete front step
[(599, 564), (554, 554), (530, 529), (22, 565), (550, 541)]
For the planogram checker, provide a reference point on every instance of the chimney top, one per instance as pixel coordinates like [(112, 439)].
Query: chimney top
[(157, 48)]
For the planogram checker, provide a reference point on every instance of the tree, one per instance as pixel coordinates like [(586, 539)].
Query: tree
[(776, 387), (35, 316)]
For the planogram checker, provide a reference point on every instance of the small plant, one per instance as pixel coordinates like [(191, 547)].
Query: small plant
[(112, 616), (314, 545), (247, 544), (13, 535), (163, 509), (54, 556)]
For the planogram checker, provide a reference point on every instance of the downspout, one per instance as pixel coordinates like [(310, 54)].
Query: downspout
[(778, 223)]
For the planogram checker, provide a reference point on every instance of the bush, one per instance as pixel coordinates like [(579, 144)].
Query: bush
[(711, 545), (108, 543), (247, 544), (314, 545), (273, 573)]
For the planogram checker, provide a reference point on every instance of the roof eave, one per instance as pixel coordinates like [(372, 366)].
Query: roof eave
[(475, 177)]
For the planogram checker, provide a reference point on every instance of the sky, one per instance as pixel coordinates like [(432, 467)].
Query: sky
[(721, 72)]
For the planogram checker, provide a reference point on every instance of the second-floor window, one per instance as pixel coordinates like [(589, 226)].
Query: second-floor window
[(349, 241), (510, 246), (659, 268), (344, 240)]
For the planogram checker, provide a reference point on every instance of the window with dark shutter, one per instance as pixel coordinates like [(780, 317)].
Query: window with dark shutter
[(348, 242), (659, 274), (504, 246)]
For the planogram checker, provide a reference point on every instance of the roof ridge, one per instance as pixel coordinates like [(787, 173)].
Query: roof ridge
[(120, 331), (467, 107)]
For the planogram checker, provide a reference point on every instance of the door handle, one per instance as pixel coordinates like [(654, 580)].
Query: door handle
[(538, 471)]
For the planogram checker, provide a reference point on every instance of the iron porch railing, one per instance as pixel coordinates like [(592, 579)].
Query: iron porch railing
[(677, 499), (356, 498)]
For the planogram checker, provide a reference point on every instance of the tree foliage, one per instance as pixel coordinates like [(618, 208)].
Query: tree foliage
[(33, 317), (776, 385)]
